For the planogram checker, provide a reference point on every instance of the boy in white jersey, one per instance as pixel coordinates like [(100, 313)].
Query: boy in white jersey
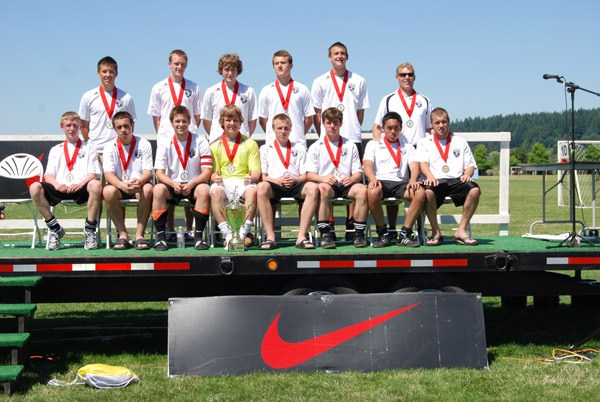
[(71, 174), (285, 95), (128, 172), (448, 165), (173, 91), (236, 165), (183, 167), (284, 175), (229, 92), (333, 163), (387, 162), (98, 106), (346, 91)]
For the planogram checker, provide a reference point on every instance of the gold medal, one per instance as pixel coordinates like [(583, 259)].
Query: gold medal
[(109, 125), (445, 168), (183, 176)]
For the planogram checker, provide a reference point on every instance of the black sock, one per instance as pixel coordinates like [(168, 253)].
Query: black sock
[(53, 224), (90, 226)]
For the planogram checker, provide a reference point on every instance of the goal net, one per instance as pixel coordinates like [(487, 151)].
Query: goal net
[(585, 151)]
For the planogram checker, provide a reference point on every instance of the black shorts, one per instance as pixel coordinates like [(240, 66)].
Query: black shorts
[(453, 188), (280, 192), (341, 191), (395, 189), (176, 198), (54, 196)]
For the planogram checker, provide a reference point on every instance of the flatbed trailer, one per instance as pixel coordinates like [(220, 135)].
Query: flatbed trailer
[(508, 266)]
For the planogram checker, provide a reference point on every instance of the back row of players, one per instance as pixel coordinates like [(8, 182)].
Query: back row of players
[(332, 169)]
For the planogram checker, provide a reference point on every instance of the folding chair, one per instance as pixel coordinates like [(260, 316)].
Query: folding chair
[(284, 224), (18, 167)]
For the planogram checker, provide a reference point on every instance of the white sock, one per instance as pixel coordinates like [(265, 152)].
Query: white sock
[(224, 228), (245, 229)]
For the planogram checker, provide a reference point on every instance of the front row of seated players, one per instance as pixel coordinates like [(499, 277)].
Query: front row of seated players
[(330, 168)]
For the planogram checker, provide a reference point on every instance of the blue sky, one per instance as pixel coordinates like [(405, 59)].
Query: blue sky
[(475, 58)]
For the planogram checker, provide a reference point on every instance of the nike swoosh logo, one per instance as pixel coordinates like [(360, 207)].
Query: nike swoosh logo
[(280, 354)]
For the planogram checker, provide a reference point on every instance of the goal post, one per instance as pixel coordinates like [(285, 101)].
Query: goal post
[(585, 188)]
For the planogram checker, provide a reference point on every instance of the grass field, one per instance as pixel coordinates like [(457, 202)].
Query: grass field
[(135, 335)]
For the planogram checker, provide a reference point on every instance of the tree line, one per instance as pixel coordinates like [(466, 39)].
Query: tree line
[(533, 135)]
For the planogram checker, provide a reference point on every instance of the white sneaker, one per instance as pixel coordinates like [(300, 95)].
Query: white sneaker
[(91, 240), (54, 239)]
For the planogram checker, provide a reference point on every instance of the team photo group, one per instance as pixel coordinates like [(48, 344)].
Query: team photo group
[(206, 156)]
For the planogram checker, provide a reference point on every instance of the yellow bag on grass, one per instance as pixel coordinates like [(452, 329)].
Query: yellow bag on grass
[(101, 376)]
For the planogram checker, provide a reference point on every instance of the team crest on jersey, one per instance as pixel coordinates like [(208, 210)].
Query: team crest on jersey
[(351, 87), (188, 93), (81, 153), (138, 154), (192, 152), (119, 103), (456, 152), (419, 104), (295, 90), (244, 98), (295, 153), (344, 151)]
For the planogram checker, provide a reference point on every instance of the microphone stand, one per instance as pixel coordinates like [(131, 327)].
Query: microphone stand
[(574, 239)]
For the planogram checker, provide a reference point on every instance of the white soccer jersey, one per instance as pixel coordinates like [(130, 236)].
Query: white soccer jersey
[(140, 160), (300, 107), (420, 116), (459, 157), (272, 166), (214, 101), (161, 103), (86, 162), (356, 97), (384, 165), (91, 109), (318, 160), (199, 158)]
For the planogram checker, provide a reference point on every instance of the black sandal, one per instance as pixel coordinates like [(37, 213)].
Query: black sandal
[(268, 245), (122, 244)]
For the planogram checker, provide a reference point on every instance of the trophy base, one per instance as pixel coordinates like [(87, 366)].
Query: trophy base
[(236, 244)]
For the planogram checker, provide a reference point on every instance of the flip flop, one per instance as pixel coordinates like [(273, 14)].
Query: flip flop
[(305, 245), (268, 245), (466, 241), (434, 241), (122, 244), (141, 244)]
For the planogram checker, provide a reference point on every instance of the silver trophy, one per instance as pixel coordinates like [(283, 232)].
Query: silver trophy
[(235, 214)]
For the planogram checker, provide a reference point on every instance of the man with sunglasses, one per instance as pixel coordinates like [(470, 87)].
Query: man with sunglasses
[(415, 110)]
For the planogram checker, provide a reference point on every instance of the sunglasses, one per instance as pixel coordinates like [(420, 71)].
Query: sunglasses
[(402, 75)]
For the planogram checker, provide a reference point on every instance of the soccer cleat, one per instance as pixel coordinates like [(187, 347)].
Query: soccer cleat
[(54, 239), (327, 241), (91, 240), (406, 241), (359, 240), (382, 241), (161, 245), (201, 245)]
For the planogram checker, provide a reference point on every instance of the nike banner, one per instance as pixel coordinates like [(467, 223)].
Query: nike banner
[(241, 334)]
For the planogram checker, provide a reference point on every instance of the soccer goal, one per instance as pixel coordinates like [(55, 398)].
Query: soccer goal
[(587, 182)]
